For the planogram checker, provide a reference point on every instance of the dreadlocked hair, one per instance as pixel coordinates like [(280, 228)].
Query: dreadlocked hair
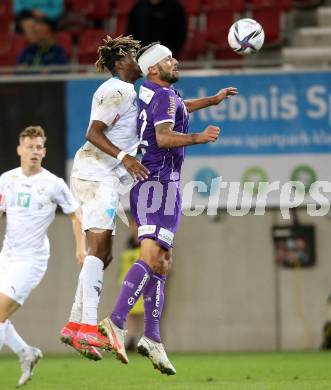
[(113, 50), (142, 50)]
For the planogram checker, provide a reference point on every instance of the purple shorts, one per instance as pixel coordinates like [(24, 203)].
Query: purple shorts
[(156, 207)]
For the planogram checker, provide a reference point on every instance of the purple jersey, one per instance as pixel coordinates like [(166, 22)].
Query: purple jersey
[(157, 105)]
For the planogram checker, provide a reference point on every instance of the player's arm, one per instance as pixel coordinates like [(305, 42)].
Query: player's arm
[(96, 135), (166, 137), (79, 236), (198, 104)]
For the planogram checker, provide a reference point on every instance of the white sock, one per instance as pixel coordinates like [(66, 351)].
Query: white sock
[(14, 341), (77, 307), (92, 284), (2, 333)]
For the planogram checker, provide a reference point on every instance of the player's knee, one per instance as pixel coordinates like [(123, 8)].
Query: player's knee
[(104, 254), (107, 261)]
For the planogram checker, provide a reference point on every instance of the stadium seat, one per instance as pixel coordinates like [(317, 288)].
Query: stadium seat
[(88, 45), (6, 15), (64, 39), (284, 5), (10, 48), (192, 7), (234, 5), (218, 24), (270, 19), (194, 46), (123, 6), (307, 3), (96, 10)]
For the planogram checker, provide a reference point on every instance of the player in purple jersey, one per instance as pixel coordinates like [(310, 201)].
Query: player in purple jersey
[(156, 202)]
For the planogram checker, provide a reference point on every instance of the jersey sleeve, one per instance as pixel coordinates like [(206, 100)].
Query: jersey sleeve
[(64, 198), (110, 107), (2, 194), (164, 107)]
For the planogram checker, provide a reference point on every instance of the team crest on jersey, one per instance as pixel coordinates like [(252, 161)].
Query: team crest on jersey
[(171, 108)]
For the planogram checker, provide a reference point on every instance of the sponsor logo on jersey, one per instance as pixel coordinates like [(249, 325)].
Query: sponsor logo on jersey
[(155, 313), (146, 94), (171, 108), (146, 229), (141, 285), (166, 236), (131, 301), (23, 199)]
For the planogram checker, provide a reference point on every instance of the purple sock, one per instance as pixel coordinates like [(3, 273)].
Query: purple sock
[(132, 287), (153, 304)]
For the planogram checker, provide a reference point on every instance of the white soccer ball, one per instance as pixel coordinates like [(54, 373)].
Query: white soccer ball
[(246, 36)]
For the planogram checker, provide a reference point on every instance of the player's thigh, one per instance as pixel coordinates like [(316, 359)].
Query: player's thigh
[(22, 277), (7, 307), (98, 201)]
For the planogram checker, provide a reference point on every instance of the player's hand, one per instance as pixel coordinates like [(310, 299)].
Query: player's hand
[(225, 93), (80, 256), (210, 134), (135, 168)]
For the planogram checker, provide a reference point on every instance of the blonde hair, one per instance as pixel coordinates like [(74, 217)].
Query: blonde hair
[(113, 50), (32, 132)]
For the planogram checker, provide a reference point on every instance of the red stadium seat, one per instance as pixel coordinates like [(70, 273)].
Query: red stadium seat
[(96, 10), (64, 39), (234, 5), (6, 15), (89, 42), (10, 48), (270, 19), (284, 5), (218, 24), (123, 6), (307, 3), (192, 7), (121, 24), (194, 46)]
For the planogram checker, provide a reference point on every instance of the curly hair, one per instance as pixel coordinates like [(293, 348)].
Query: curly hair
[(32, 132), (113, 50)]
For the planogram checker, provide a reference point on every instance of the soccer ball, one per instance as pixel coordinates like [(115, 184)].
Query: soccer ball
[(246, 36)]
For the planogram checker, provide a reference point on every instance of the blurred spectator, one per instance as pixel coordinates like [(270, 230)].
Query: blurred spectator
[(40, 9), (159, 20), (41, 49), (326, 342)]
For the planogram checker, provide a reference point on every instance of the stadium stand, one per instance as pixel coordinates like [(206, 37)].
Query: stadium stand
[(207, 25)]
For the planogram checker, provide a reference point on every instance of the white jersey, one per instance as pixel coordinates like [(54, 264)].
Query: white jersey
[(114, 104), (30, 203)]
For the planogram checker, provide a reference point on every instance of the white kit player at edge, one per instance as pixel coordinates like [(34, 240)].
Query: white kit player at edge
[(29, 196), (100, 166)]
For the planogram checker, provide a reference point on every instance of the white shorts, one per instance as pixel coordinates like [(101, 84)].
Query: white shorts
[(20, 275), (98, 201)]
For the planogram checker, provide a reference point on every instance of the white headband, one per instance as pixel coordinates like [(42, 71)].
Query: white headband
[(152, 56)]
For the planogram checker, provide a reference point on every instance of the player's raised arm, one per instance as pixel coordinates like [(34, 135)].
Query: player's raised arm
[(79, 236), (167, 138), (198, 104)]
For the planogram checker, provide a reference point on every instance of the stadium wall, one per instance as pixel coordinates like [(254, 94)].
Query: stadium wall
[(224, 294)]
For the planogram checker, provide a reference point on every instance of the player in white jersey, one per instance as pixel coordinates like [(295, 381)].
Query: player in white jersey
[(29, 196), (104, 162)]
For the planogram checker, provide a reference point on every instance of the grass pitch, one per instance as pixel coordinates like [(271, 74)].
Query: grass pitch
[(228, 371)]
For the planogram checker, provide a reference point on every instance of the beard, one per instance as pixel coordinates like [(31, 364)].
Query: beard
[(167, 77)]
